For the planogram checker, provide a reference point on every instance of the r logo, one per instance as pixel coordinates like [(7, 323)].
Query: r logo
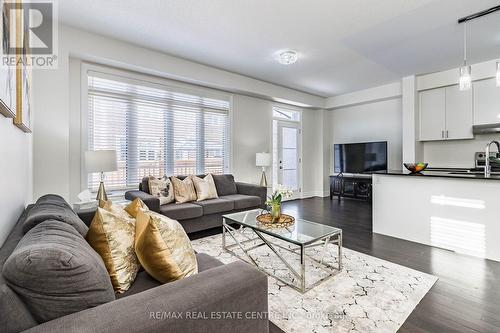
[(37, 26)]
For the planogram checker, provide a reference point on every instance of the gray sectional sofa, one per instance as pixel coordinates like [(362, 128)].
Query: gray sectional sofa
[(201, 215), (48, 271)]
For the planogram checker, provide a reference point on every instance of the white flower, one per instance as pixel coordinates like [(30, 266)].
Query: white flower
[(285, 193)]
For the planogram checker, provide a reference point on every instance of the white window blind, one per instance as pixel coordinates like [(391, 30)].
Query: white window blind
[(155, 129)]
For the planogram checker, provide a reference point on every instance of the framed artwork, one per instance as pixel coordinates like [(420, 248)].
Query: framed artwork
[(7, 73), (22, 118)]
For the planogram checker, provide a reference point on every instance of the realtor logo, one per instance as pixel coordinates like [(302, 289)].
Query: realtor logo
[(29, 33)]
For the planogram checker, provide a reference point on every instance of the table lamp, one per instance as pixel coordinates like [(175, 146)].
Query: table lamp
[(263, 160), (101, 161)]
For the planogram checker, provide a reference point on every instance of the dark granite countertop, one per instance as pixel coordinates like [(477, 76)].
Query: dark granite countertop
[(451, 173)]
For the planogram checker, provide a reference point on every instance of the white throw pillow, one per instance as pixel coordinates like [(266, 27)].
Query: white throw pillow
[(183, 189), (205, 188), (162, 189)]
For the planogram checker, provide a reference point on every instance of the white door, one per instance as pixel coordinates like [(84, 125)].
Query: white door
[(459, 115), (289, 163), (432, 115)]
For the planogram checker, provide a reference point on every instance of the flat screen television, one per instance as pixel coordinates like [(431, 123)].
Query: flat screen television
[(366, 157)]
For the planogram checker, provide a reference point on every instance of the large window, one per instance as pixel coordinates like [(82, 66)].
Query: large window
[(155, 129)]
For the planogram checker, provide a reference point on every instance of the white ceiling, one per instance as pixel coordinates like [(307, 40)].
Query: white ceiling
[(343, 45)]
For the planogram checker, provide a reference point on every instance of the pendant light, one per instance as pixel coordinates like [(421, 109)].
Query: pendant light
[(465, 82)]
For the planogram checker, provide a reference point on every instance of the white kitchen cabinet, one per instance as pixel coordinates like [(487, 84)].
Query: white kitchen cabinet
[(459, 115), (432, 114), (486, 102), (446, 114)]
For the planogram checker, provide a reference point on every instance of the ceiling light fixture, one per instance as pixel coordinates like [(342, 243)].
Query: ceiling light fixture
[(465, 81), (287, 57)]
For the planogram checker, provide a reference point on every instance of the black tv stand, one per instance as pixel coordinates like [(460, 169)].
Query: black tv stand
[(356, 186)]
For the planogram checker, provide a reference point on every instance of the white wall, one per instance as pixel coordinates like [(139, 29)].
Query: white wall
[(412, 149), (377, 121), (252, 133), (370, 95), (56, 101), (456, 153), (313, 176), (15, 174), (252, 125)]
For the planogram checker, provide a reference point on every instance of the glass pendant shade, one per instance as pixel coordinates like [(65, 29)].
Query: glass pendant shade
[(498, 73), (465, 81)]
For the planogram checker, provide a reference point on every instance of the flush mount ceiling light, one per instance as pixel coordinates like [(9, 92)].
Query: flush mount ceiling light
[(465, 81), (287, 57)]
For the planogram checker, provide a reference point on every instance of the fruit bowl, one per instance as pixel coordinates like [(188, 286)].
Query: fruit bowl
[(415, 167)]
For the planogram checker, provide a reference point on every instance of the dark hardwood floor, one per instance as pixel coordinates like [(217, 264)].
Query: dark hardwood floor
[(466, 298)]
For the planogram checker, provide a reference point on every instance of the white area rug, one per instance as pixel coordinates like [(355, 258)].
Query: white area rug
[(368, 295)]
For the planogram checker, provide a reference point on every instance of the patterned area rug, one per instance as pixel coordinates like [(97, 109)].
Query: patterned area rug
[(368, 295)]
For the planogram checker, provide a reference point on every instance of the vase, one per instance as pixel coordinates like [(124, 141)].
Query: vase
[(275, 212)]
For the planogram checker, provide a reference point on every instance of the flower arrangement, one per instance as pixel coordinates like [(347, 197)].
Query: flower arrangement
[(274, 201)]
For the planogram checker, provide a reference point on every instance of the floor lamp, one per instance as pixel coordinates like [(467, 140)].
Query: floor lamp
[(263, 160)]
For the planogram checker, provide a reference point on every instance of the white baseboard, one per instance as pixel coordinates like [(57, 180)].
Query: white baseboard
[(311, 194)]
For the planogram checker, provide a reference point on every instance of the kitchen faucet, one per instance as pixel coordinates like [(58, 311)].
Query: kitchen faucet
[(487, 166)]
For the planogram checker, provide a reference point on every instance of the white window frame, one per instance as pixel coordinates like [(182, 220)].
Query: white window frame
[(150, 80)]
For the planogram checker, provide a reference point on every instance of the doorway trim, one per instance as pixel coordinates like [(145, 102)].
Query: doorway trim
[(299, 125)]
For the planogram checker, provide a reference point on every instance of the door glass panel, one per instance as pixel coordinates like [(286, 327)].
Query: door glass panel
[(290, 179), (289, 158), (289, 137)]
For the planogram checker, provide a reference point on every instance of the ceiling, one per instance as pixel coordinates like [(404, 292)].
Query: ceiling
[(343, 45)]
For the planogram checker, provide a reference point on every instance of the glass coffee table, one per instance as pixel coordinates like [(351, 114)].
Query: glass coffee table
[(300, 236)]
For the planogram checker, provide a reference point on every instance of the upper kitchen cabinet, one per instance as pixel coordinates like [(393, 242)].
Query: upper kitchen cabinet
[(459, 115), (446, 114), (432, 114), (486, 102)]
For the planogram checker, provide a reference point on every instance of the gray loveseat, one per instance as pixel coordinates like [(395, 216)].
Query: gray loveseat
[(201, 215), (148, 306)]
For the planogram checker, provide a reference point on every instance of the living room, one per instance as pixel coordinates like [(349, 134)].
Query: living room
[(274, 167)]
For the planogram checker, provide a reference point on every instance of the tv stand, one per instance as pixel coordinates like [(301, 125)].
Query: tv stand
[(356, 186)]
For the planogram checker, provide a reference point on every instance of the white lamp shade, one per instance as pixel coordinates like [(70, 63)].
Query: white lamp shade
[(100, 161), (262, 159)]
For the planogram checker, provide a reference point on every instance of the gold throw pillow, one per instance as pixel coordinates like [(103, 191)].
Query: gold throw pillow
[(162, 189), (163, 248), (134, 207), (205, 188), (115, 209), (183, 189), (112, 235)]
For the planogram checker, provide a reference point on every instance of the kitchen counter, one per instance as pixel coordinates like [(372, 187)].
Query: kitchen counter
[(457, 212), (451, 173)]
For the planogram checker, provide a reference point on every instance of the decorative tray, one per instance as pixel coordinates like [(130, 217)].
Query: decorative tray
[(284, 221)]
